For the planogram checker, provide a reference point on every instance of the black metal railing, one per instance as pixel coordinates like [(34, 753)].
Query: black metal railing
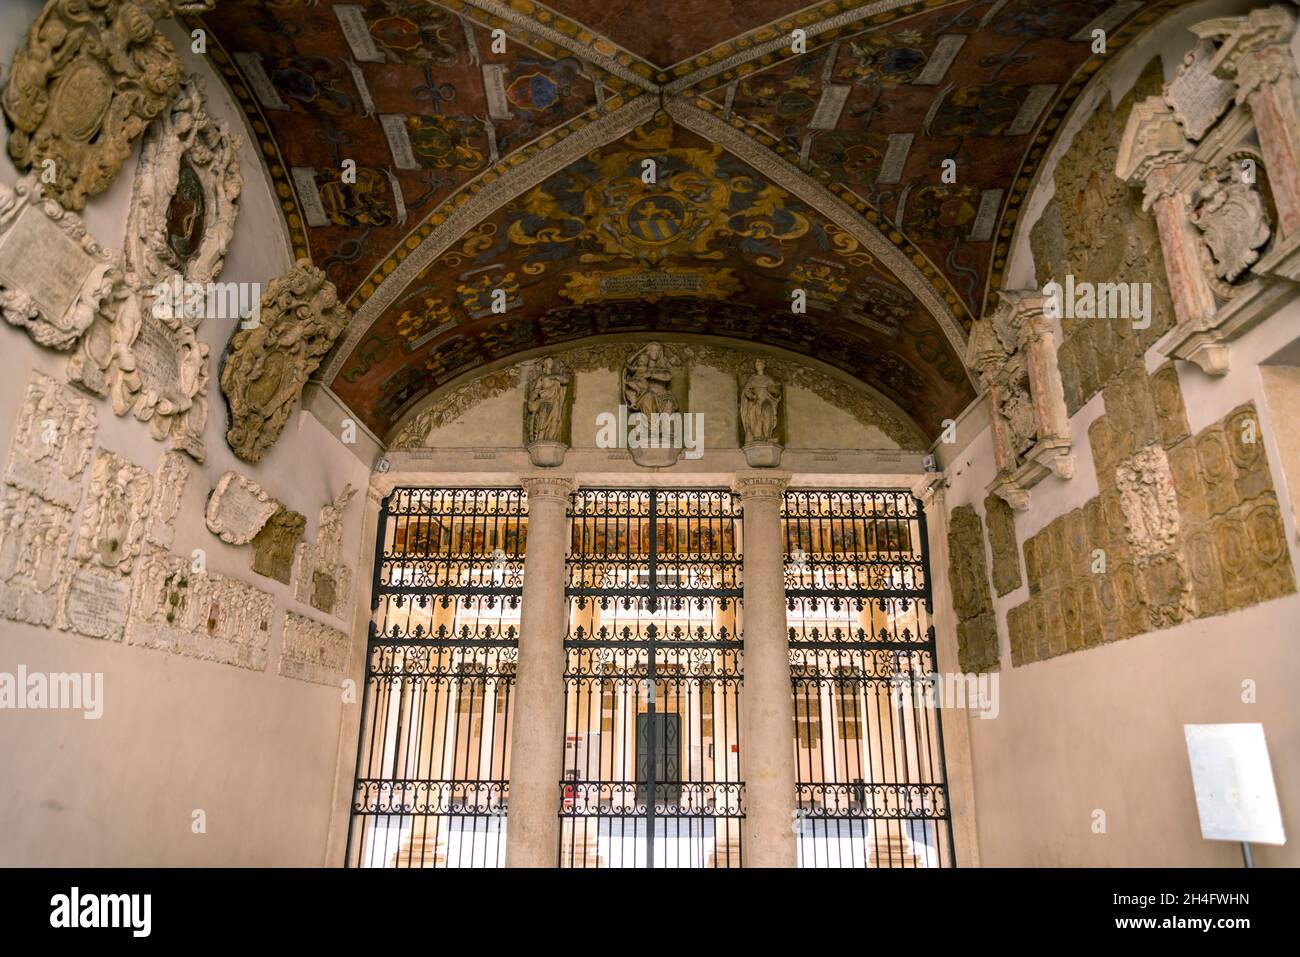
[(871, 789), (652, 680), (432, 780)]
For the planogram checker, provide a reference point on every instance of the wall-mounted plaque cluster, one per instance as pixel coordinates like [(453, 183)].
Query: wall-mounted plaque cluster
[(1185, 526)]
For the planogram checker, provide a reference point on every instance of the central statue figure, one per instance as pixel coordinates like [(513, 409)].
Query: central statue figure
[(646, 379)]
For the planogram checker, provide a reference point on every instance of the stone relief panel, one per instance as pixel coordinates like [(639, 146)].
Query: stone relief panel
[(85, 85), (168, 486), (238, 508), (273, 546), (149, 358), (55, 280), (35, 535), (1215, 156), (977, 633), (1096, 230), (51, 443), (266, 366), (311, 651), (1185, 526), (322, 580), (116, 514), (199, 615), (1002, 544)]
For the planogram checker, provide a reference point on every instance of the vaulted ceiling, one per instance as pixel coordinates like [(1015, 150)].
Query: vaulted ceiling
[(774, 170)]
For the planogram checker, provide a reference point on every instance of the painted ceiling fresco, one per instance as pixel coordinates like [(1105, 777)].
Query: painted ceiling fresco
[(709, 248), (863, 121), (398, 86), (665, 32)]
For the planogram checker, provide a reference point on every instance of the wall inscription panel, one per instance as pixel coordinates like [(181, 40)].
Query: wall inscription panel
[(311, 651), (1002, 544), (199, 615)]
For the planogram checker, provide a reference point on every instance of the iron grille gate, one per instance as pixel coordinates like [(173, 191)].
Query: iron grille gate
[(652, 680), (432, 777), (870, 776)]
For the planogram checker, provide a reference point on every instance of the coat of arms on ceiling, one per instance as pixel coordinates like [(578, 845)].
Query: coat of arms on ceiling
[(650, 203)]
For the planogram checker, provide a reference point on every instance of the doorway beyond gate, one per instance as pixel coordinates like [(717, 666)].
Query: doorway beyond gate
[(652, 680)]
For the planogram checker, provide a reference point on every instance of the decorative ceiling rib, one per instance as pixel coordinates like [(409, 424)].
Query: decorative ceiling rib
[(783, 171)]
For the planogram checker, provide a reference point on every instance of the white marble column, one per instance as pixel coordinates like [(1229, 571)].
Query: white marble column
[(537, 732), (767, 747)]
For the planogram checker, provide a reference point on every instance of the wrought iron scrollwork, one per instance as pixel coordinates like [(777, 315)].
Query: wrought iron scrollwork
[(432, 784), (652, 680), (871, 788)]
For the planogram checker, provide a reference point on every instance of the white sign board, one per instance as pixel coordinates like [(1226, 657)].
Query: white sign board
[(1235, 795)]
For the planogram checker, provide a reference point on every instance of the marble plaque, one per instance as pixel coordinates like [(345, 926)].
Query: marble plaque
[(169, 486), (1196, 96), (41, 259), (199, 615), (156, 359), (34, 538), (273, 546), (238, 508), (116, 513), (51, 442), (311, 651), (95, 604)]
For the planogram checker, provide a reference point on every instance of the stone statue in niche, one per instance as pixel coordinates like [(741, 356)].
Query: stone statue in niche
[(545, 407), (86, 84), (647, 380), (1231, 217), (1016, 407), (760, 403), (266, 366), (647, 391)]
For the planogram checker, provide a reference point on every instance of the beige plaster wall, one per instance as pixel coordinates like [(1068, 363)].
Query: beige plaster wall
[(255, 751)]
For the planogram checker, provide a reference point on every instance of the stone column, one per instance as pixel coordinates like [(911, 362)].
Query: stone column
[(767, 745), (1153, 153), (1257, 56), (537, 734)]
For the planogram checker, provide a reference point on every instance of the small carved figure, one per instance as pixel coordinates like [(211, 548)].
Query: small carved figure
[(760, 398), (646, 380), (544, 402)]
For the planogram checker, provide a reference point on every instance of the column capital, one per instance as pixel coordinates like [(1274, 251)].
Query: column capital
[(1152, 141), (758, 488), (1253, 49), (548, 488)]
